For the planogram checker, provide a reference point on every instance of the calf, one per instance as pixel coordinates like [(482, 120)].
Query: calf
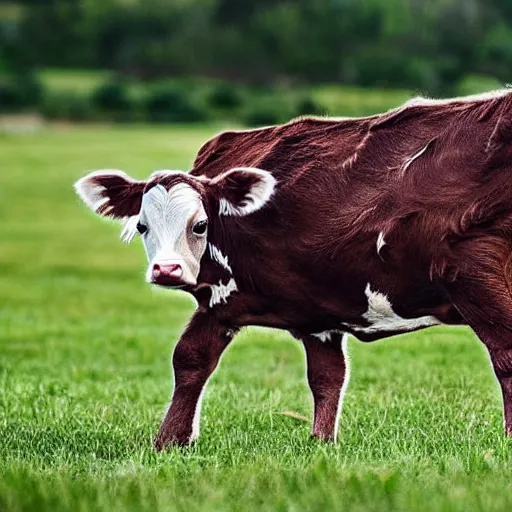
[(372, 226)]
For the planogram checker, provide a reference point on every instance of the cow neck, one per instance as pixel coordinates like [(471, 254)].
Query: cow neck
[(229, 259), (216, 263)]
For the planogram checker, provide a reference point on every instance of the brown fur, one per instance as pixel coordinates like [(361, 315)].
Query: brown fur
[(340, 183)]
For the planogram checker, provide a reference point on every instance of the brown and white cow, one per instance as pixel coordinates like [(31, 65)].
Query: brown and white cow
[(372, 226)]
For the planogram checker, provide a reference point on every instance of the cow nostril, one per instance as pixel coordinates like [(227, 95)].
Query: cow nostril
[(167, 270), (175, 269)]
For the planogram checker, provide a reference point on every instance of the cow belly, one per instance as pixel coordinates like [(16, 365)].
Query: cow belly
[(394, 324), (380, 318)]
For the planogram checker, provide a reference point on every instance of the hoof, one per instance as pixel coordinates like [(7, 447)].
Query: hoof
[(325, 438), (161, 442)]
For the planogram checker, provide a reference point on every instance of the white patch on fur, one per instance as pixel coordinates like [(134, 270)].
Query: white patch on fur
[(380, 242), (197, 412), (493, 134), (344, 348), (221, 292), (226, 208), (322, 336), (326, 335), (410, 160), (197, 416), (91, 193), (256, 198), (382, 318), (351, 160), (220, 258)]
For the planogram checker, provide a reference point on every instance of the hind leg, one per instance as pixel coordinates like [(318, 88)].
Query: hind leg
[(483, 298), (495, 332)]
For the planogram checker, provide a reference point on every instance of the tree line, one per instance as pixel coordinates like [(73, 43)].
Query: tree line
[(423, 45)]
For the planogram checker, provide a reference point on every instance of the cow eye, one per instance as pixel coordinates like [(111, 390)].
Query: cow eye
[(200, 227), (141, 228)]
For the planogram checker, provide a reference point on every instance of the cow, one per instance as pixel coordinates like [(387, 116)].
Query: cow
[(326, 227)]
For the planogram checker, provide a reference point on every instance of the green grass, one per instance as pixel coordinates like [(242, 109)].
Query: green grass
[(345, 100), (85, 374), (72, 80)]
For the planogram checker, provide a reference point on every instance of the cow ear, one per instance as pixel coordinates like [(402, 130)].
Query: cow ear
[(111, 193), (243, 190)]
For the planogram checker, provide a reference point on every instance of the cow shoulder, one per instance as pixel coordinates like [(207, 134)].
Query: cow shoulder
[(230, 149)]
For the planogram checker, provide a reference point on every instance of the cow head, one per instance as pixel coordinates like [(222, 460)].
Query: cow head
[(171, 212)]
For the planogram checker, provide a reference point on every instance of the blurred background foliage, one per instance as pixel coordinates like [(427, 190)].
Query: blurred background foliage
[(252, 61)]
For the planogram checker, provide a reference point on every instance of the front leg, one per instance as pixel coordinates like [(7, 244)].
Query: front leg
[(195, 358), (502, 364), (328, 374)]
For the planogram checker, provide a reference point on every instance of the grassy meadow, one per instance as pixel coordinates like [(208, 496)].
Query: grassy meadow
[(85, 374)]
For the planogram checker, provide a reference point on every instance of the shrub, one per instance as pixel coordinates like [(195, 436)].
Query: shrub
[(267, 111), (31, 89), (112, 97), (171, 104), (306, 105), (19, 92), (67, 106), (11, 98), (225, 96)]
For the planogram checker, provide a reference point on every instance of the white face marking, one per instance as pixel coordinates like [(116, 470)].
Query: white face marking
[(169, 216), (129, 229), (382, 318), (221, 292), (221, 259)]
